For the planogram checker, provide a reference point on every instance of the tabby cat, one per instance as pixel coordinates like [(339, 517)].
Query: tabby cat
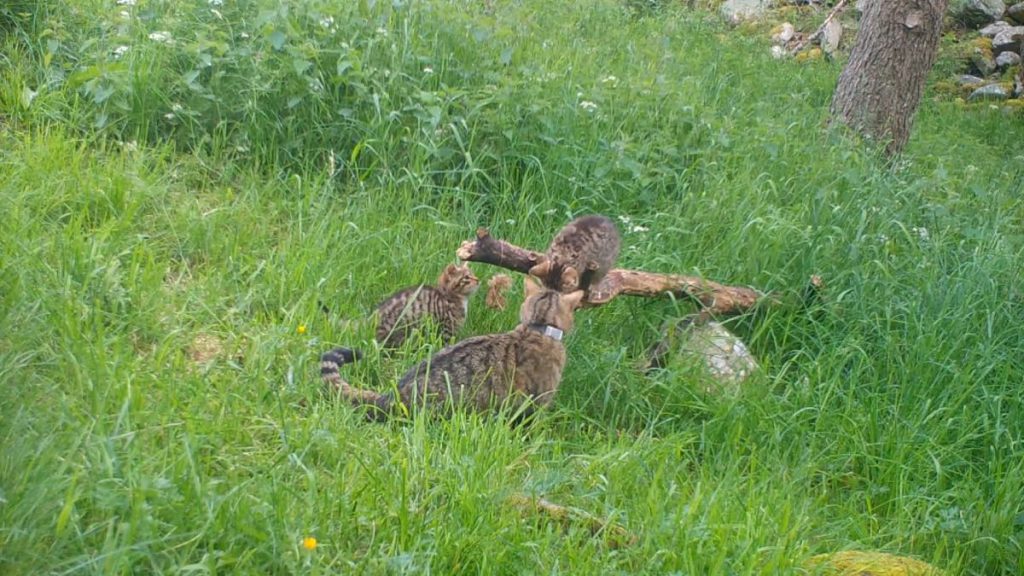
[(518, 370), (580, 254), (409, 309)]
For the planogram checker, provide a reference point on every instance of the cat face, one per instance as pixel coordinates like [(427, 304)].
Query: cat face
[(545, 306), (458, 280)]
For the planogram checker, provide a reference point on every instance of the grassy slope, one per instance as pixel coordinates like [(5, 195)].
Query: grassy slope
[(891, 420)]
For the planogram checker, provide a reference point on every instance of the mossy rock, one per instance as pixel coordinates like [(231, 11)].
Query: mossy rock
[(982, 43), (867, 563), (809, 55), (953, 89)]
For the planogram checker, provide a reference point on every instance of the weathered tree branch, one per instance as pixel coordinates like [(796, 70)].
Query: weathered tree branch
[(617, 536), (715, 298), (498, 252)]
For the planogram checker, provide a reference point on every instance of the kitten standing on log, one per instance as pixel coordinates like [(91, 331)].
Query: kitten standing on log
[(519, 370), (580, 255), (409, 309)]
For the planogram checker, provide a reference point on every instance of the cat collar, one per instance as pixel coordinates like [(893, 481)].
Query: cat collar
[(547, 330)]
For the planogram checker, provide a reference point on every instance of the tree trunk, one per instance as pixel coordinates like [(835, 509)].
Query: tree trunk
[(881, 86)]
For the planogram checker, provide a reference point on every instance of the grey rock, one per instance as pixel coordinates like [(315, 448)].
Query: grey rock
[(1018, 88), (990, 92), (968, 79), (1008, 40), (977, 13), (1016, 13), (1007, 59), (785, 35), (831, 35), (709, 346), (744, 9), (994, 28)]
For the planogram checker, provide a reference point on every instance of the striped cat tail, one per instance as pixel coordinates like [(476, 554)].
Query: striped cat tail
[(330, 372)]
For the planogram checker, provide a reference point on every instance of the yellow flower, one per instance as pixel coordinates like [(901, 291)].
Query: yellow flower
[(302, 330), (309, 543)]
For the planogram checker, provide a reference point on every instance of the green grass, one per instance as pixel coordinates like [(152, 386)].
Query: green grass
[(214, 190)]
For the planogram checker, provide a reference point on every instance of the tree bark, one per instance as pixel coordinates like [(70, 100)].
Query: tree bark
[(881, 86)]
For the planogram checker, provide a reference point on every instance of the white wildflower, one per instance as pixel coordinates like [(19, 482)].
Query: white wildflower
[(130, 145), (428, 70), (609, 80), (626, 220), (882, 238), (382, 31), (778, 52), (327, 21), (588, 105), (124, 14), (921, 232), (510, 222), (169, 116), (244, 35), (216, 13), (550, 211), (126, 2), (160, 36), (120, 51), (216, 2), (176, 107), (638, 228)]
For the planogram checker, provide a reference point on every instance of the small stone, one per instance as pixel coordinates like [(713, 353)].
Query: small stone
[(1016, 13), (990, 92), (968, 79), (1007, 59), (1008, 40), (784, 34), (778, 52)]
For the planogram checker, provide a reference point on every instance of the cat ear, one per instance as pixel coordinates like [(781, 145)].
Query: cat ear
[(574, 299), (530, 286), (541, 270)]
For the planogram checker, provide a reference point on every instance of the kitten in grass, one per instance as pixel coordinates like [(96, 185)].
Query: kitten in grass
[(518, 370), (580, 254), (410, 309)]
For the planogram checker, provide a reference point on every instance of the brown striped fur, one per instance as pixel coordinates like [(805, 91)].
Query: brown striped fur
[(580, 254), (519, 370), (410, 309)]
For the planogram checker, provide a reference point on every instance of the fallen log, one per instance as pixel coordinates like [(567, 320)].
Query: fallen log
[(616, 535), (715, 299)]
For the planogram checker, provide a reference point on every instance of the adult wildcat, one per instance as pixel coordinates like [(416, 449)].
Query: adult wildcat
[(519, 370)]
